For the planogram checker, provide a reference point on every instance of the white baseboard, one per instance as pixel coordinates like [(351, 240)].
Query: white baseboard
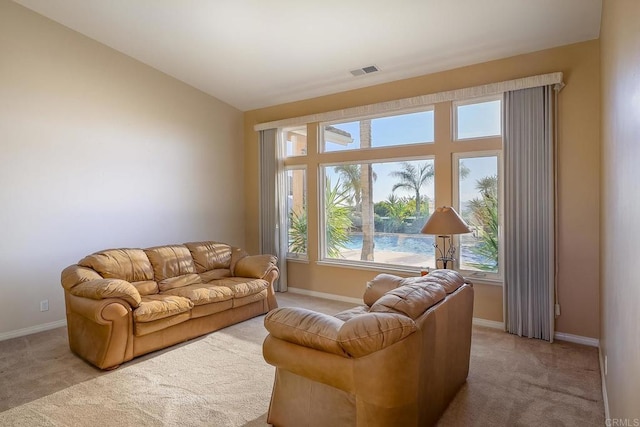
[(32, 329), (488, 323), (325, 295), (577, 339), (604, 385)]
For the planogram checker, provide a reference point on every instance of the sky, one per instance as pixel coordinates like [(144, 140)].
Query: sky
[(474, 120)]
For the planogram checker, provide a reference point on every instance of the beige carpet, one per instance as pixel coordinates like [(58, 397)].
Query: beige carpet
[(222, 380)]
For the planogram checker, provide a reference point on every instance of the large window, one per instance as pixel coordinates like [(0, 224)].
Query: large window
[(373, 183), (373, 212), (478, 201)]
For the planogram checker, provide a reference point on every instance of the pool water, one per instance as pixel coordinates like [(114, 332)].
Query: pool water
[(395, 242), (411, 243)]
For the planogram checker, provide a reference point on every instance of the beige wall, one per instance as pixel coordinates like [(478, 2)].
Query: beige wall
[(620, 232), (98, 151), (578, 187)]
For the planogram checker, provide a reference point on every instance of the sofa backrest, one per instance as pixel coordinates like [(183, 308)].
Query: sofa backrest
[(173, 266), (212, 259), (158, 268)]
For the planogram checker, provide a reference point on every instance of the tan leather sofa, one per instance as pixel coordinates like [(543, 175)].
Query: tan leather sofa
[(397, 361), (122, 303)]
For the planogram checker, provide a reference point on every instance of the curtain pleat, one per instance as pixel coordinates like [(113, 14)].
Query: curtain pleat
[(271, 181), (529, 212)]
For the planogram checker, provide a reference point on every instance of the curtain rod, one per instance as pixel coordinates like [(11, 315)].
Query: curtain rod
[(417, 101)]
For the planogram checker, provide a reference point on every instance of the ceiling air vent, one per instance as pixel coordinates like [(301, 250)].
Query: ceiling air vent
[(364, 70)]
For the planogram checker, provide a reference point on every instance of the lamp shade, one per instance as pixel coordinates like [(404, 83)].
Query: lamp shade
[(445, 220)]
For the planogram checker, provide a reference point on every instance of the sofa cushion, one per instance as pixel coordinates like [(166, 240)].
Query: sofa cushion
[(107, 288), (411, 300), (131, 265), (260, 296), (371, 332), (202, 294), (172, 262), (211, 275), (210, 255), (242, 286), (155, 307), (146, 328), (146, 287), (379, 286), (179, 282)]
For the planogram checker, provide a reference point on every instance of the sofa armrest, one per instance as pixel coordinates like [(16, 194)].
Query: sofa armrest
[(306, 328), (257, 266), (108, 288), (370, 332), (100, 330)]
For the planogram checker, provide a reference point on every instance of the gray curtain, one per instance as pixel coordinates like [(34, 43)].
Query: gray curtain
[(529, 212), (271, 197)]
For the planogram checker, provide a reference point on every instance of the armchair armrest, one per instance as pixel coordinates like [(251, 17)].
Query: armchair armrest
[(107, 288), (306, 328), (257, 266)]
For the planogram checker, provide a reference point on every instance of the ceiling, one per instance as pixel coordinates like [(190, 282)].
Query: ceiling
[(256, 53)]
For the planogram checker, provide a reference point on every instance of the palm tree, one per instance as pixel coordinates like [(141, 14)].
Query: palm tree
[(484, 211), (413, 178), (397, 210), (351, 175), (337, 219)]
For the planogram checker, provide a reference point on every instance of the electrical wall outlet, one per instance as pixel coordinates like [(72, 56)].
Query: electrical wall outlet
[(557, 309), (44, 305)]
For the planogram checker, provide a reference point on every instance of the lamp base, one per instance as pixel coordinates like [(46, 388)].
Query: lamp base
[(445, 261)]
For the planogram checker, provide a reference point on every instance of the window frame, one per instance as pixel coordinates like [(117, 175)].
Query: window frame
[(470, 101), (455, 175)]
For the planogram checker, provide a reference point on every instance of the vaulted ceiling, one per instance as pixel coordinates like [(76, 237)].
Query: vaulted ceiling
[(256, 53)]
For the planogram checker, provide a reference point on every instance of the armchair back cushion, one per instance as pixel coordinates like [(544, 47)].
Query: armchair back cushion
[(410, 300)]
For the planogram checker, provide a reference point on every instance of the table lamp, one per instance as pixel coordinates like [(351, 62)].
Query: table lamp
[(444, 222)]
